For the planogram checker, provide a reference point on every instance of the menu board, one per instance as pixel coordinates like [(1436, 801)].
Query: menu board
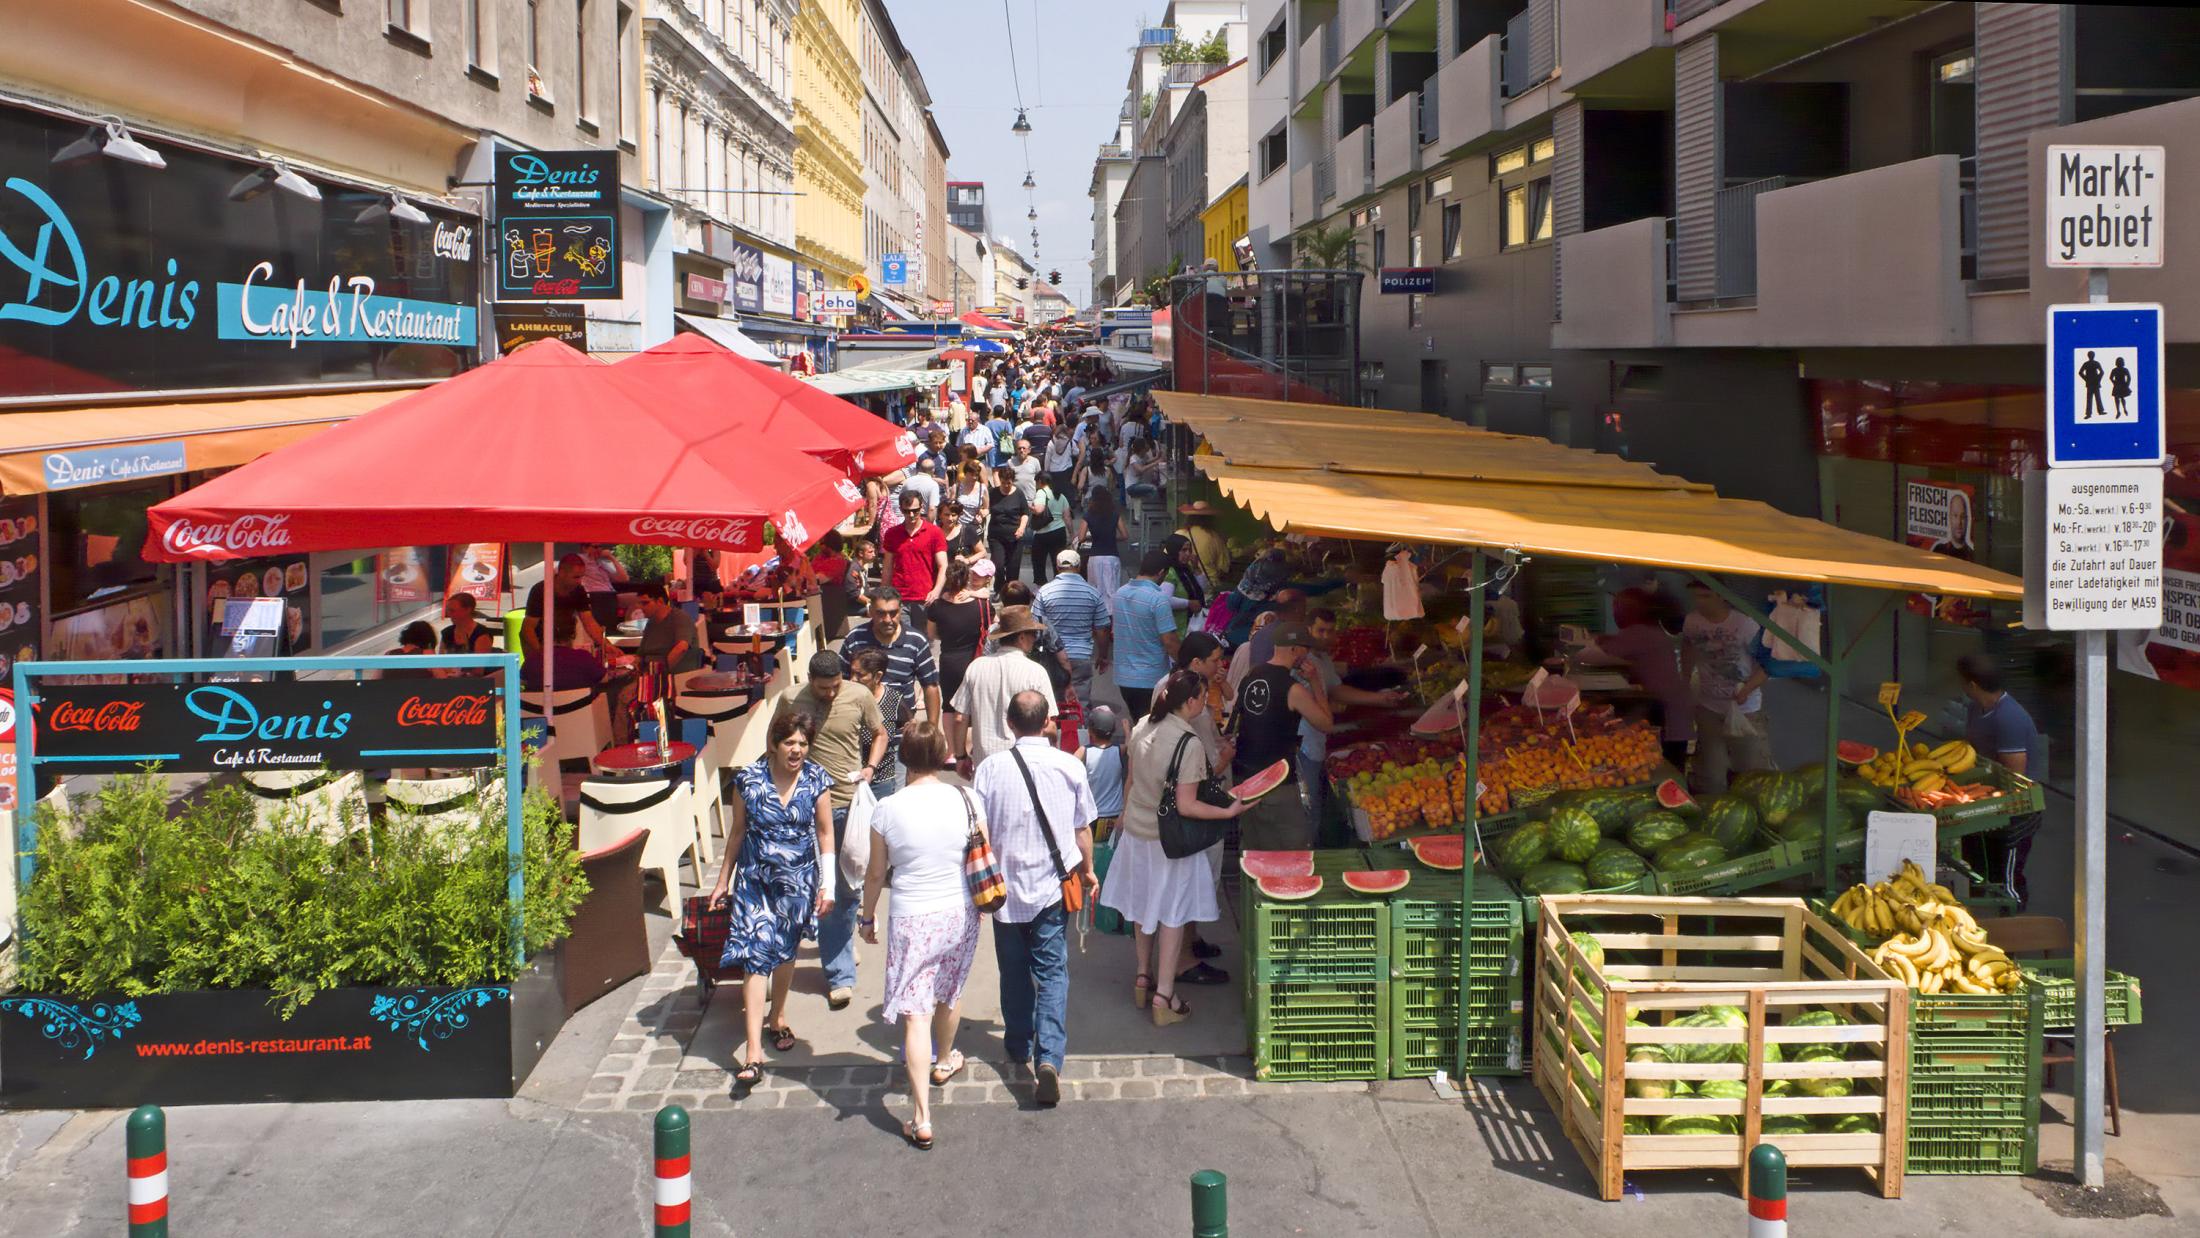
[(282, 576), (479, 570), (19, 591)]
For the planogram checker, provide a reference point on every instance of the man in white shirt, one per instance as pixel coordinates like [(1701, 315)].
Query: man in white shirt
[(980, 437), (1039, 810), (993, 681), (1718, 652)]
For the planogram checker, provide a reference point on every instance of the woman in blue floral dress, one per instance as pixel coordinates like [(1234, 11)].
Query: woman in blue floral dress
[(780, 840)]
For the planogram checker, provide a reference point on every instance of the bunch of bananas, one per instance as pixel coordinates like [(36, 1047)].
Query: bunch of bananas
[(1936, 946), (1926, 769)]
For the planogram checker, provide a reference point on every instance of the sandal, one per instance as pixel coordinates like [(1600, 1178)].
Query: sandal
[(921, 1142), (943, 1075), (750, 1074), (1170, 1008), (1142, 991), (1203, 973), (782, 1038)]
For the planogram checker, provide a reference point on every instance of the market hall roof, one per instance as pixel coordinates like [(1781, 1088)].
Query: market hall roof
[(1357, 473)]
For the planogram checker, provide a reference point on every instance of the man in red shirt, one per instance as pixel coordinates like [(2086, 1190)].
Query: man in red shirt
[(916, 560)]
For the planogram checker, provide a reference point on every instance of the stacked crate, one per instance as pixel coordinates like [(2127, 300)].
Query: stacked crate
[(1318, 978), (1424, 977), (1975, 1082)]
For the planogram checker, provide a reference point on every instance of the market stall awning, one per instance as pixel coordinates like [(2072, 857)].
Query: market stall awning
[(867, 381), (727, 335), (769, 406), (1536, 497), (208, 434), (543, 445), (1125, 359), (984, 323)]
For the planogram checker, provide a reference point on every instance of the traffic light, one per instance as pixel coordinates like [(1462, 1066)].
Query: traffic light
[(1022, 284), (1054, 278)]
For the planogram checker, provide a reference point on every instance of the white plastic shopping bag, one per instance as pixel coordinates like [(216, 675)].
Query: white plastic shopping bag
[(855, 836)]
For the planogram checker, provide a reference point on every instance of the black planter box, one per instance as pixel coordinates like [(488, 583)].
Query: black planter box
[(231, 1047)]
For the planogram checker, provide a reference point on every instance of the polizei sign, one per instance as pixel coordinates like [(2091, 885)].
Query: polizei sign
[(305, 725)]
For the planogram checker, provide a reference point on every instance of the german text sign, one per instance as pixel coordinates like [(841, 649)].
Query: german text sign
[(301, 725), (2093, 549), (2104, 206)]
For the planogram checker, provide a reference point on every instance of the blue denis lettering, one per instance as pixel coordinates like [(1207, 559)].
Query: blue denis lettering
[(234, 718), (59, 286), (534, 170)]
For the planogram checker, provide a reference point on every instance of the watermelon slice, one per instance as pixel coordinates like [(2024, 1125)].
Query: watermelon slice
[(1673, 797), (1290, 889), (1445, 851), (1263, 782), (1261, 864), (1853, 753), (1382, 881), (1442, 718)]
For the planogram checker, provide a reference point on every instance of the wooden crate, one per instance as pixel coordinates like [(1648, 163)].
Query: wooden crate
[(1666, 958)]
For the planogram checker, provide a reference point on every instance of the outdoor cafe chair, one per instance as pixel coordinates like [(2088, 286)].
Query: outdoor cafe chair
[(333, 803), (451, 808), (724, 717), (607, 941), (613, 807), (580, 724)]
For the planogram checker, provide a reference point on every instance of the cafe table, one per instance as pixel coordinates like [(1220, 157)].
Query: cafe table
[(644, 760)]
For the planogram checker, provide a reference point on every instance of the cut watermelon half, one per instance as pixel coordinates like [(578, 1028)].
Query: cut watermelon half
[(1853, 753), (1442, 718), (1672, 796), (1445, 851), (1290, 889), (1262, 864), (1263, 782), (1381, 881)]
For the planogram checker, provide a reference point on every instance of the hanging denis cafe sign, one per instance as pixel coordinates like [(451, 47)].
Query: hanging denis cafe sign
[(558, 219), (116, 277), (337, 724)]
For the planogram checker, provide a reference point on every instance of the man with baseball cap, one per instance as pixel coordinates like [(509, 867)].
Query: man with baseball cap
[(1272, 703), (1077, 614), (994, 680)]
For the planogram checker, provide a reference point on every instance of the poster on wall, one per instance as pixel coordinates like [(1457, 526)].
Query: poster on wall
[(478, 569), (558, 224), (115, 277), (19, 577), (1937, 516), (2170, 653), (778, 293), (519, 325), (402, 579)]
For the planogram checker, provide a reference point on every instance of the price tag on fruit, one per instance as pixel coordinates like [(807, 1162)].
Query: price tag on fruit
[(1890, 695), (1893, 837)]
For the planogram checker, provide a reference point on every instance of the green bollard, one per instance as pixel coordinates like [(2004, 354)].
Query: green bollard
[(672, 1172), (1210, 1205), (1768, 1192), (146, 1145)]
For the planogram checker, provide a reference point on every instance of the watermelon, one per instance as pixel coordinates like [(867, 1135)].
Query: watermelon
[(1850, 752), (1444, 851), (1608, 809), (1592, 950), (1730, 820), (1553, 877), (1616, 868), (1777, 799), (1381, 881), (1290, 889), (1263, 782), (1692, 850), (1654, 831), (1649, 1089), (1637, 805), (1541, 807), (1814, 1018), (1692, 1124), (1258, 864), (1785, 1124), (1673, 797), (1586, 1026), (1724, 1089), (1635, 1126), (1859, 796), (1747, 781), (1523, 847), (1851, 1124), (1574, 834)]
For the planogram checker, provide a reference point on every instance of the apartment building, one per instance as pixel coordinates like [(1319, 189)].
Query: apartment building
[(939, 261), (1784, 246), (1013, 278), (897, 197), (971, 273), (828, 132), (1203, 156)]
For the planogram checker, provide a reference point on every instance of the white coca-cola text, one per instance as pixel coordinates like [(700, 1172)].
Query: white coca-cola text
[(244, 533), (704, 530)]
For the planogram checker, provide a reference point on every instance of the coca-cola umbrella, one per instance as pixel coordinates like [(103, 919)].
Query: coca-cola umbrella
[(707, 380)]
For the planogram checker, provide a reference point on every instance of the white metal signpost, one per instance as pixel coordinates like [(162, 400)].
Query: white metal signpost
[(2093, 521)]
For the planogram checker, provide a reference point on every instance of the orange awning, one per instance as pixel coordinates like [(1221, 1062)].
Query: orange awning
[(216, 434)]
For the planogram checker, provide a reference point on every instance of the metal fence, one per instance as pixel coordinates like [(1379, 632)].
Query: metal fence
[(1737, 235), (1514, 55), (1325, 177), (1425, 119)]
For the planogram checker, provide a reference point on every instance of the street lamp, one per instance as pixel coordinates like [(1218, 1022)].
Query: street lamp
[(1023, 123), (276, 175), (110, 137), (1029, 183)]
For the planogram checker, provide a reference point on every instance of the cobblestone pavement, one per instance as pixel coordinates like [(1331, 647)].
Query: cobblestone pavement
[(642, 1069)]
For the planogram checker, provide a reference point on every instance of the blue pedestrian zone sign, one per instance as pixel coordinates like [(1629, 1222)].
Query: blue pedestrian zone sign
[(2104, 386), (893, 268)]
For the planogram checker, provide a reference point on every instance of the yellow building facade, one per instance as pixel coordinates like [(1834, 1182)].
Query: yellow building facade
[(1223, 222), (828, 137)]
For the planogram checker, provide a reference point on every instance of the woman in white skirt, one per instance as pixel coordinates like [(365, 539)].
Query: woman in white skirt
[(918, 834), (1147, 888)]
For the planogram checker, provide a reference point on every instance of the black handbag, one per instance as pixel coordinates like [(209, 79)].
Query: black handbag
[(1181, 835)]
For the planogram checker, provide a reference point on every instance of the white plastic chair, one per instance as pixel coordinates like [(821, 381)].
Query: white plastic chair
[(612, 808), (580, 726), (333, 803), (450, 807), (728, 716)]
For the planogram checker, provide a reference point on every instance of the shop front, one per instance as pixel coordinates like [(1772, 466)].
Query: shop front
[(164, 324), (1941, 466)]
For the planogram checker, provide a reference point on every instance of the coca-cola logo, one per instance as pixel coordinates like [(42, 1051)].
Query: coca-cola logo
[(239, 536), (790, 528), (906, 444), (728, 531), (458, 711), (848, 490), (112, 717)]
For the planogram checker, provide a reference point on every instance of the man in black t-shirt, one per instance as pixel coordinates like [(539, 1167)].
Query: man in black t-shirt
[(1271, 703), (571, 597)]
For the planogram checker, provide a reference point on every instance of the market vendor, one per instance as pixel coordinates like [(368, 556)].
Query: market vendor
[(1212, 549), (1995, 723), (1642, 647), (1272, 704), (1314, 740), (1718, 652)]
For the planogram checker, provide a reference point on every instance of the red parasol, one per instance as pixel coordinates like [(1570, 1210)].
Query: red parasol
[(718, 384), (544, 445), (984, 322)]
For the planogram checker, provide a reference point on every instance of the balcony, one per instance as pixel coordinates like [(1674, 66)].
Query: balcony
[(1357, 21), (1398, 140), (1468, 106), (1325, 180), (1305, 206), (1599, 42), (1355, 164), (1310, 77), (1735, 213), (1615, 288), (1869, 259)]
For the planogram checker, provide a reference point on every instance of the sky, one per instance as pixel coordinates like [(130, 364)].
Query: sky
[(1073, 60)]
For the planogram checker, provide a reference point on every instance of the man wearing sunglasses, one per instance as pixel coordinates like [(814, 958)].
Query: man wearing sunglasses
[(916, 559)]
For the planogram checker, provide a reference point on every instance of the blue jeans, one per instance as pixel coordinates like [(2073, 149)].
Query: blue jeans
[(836, 932), (1034, 963)]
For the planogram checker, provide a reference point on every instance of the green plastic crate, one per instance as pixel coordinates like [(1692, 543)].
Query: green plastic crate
[(1334, 925), (1432, 1001), (1958, 1147), (1424, 937), (1983, 1100), (2057, 981), (1418, 1051), (1969, 1057), (1294, 1054), (2015, 1017), (1299, 1004)]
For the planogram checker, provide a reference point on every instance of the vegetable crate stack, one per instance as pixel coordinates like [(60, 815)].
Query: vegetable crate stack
[(1679, 1033), (1424, 976), (1317, 968)]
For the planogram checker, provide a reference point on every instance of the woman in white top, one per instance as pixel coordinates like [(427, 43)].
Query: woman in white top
[(969, 505), (1145, 886), (919, 834)]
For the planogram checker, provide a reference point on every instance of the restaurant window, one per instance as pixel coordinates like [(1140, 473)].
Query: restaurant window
[(1526, 214), (1451, 232), (1535, 377), (97, 541), (363, 592)]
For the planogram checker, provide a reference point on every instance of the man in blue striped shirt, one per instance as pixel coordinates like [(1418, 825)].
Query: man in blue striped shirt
[(1078, 616), (1145, 633)]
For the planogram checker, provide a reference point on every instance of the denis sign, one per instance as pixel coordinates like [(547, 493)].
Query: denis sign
[(297, 725), (558, 219)]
